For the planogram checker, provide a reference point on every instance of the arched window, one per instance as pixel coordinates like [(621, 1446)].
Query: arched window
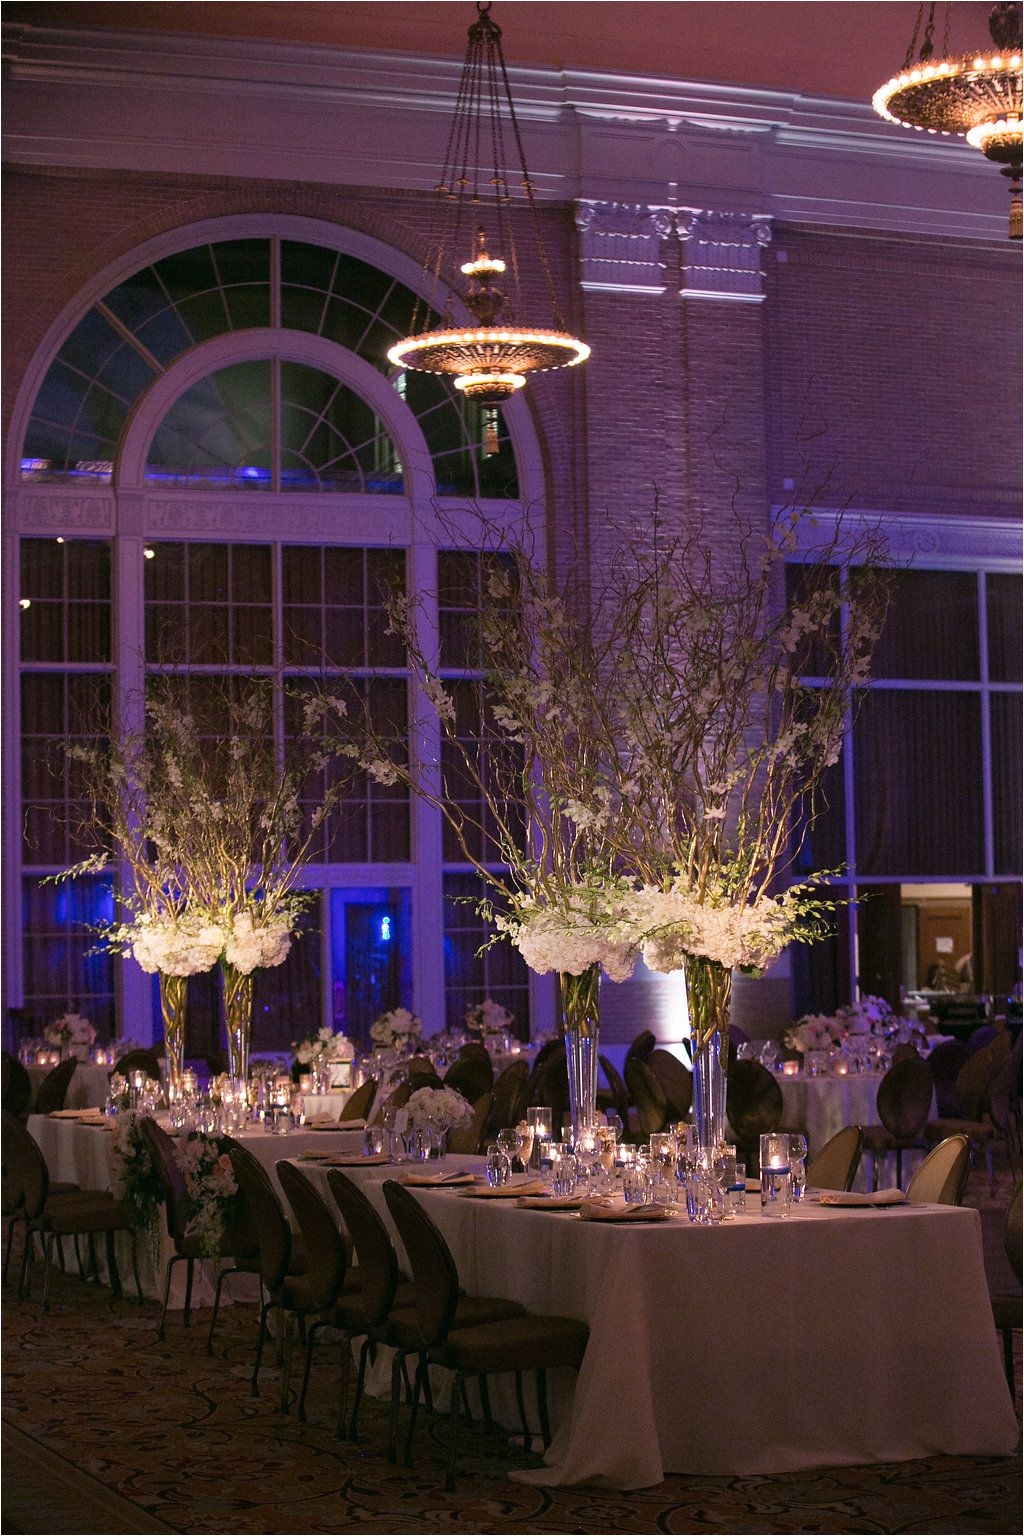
[(219, 469)]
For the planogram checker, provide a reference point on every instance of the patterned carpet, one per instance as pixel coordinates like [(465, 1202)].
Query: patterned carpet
[(107, 1430)]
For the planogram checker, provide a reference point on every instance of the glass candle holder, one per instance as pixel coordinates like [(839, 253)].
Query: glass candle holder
[(776, 1177)]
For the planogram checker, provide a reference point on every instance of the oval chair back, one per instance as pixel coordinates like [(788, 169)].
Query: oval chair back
[(359, 1103), (273, 1234), (53, 1089), (433, 1269), (170, 1177), (507, 1089), (26, 1180), (905, 1097), (753, 1106), (470, 1076), (395, 1100), (17, 1086), (642, 1045), (617, 1089), (647, 1095), (376, 1258), (676, 1081), (467, 1139), (941, 1177), (835, 1165), (326, 1254), (945, 1063), (140, 1061)]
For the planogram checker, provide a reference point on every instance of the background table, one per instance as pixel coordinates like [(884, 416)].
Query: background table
[(753, 1347), (88, 1088)]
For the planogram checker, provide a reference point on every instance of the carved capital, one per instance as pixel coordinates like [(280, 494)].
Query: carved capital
[(621, 246), (722, 254)]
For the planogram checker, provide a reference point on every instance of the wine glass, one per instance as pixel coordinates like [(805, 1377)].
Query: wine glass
[(798, 1166), (511, 1141)]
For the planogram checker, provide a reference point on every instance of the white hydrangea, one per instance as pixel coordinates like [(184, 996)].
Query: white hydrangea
[(255, 946), (676, 923), (181, 946), (582, 932), (397, 1025), (442, 1107)]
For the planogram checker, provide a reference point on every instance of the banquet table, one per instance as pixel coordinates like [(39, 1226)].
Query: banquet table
[(757, 1346), (88, 1088)]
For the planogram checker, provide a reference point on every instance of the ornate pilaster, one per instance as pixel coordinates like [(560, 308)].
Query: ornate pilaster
[(621, 246), (722, 254)]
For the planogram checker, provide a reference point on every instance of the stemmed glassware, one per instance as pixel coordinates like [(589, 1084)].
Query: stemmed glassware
[(798, 1166)]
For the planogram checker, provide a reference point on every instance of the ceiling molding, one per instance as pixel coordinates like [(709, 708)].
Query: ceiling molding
[(295, 112)]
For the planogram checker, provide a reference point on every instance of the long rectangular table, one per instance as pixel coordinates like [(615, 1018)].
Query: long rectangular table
[(835, 1337)]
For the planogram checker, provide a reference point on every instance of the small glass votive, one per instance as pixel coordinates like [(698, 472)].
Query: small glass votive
[(552, 1153), (736, 1194), (498, 1166), (563, 1180), (373, 1140), (538, 1118), (776, 1178)]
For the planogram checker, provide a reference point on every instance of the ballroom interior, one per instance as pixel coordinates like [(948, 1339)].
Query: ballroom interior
[(219, 218)]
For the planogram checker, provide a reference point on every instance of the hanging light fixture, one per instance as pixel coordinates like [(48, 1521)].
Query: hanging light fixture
[(489, 358), (976, 94)]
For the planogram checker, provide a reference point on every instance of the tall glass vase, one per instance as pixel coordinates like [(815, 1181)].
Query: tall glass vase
[(580, 1000), (237, 1019), (708, 991), (173, 998)]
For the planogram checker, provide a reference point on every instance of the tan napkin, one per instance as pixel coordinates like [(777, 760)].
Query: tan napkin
[(854, 1197), (347, 1160), (596, 1210), (71, 1114), (505, 1191), (335, 1125), (551, 1202), (434, 1180)]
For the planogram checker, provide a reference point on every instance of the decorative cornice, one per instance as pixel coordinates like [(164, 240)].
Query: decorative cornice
[(722, 254), (114, 100), (916, 539), (620, 246)]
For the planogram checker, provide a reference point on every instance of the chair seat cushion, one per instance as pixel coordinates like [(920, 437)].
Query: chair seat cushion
[(528, 1343), (976, 1130), (472, 1311), (88, 1214), (878, 1139)]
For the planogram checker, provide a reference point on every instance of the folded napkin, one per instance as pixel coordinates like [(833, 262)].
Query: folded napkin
[(434, 1180), (505, 1191), (335, 1125), (345, 1160), (853, 1197), (551, 1202), (71, 1114), (753, 1186), (597, 1210)]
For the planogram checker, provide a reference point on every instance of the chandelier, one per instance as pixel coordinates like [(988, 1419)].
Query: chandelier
[(976, 94), (488, 359)]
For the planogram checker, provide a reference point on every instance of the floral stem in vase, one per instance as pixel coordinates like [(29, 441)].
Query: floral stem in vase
[(237, 1019), (173, 999), (580, 1002), (708, 993)]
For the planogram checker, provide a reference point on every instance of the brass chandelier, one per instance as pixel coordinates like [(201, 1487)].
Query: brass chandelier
[(488, 359), (977, 95)]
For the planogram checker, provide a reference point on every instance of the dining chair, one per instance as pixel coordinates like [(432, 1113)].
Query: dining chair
[(508, 1086), (641, 1045), (384, 1309), (17, 1086), (972, 1118), (944, 1063), (396, 1099), (357, 1106), (753, 1106), (510, 1345), (1006, 1305), (940, 1179), (53, 1213), (53, 1089), (903, 1101), (616, 1097), (316, 1292), (472, 1071), (834, 1166), (676, 1081), (139, 1060), (468, 1139), (238, 1241), (647, 1096), (1004, 1099), (421, 1073)]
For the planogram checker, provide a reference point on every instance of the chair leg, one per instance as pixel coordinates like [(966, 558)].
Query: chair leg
[(216, 1307), (135, 1265), (310, 1341), (9, 1246), (521, 1404), (990, 1162), (286, 1368), (47, 1266), (264, 1309), (112, 1272), (542, 1408), (1008, 1360), (190, 1271), (899, 1167), (94, 1263), (418, 1380), (26, 1262), (174, 1259), (397, 1369), (485, 1404), (453, 1444), (357, 1399)]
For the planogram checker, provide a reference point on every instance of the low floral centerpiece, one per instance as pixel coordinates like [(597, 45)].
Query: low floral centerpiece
[(438, 1110), (488, 1019), (71, 1033), (397, 1027)]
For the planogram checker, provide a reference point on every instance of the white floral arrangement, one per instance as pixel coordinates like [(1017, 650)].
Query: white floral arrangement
[(440, 1107), (739, 935), (488, 1018), (175, 944), (70, 1029), (209, 1188), (587, 927), (325, 1043), (396, 1027), (814, 1032), (251, 946), (869, 1016)]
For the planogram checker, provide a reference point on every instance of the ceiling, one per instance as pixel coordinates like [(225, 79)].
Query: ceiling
[(842, 50)]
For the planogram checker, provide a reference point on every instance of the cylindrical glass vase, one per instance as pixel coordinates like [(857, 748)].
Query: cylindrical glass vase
[(173, 999), (237, 1020), (708, 991), (580, 1001)]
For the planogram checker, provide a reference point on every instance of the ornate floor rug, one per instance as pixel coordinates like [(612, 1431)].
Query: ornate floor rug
[(108, 1430)]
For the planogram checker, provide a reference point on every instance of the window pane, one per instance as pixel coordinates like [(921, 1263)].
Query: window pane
[(931, 628), (59, 931), (917, 771), (1006, 781), (1005, 641), (499, 972)]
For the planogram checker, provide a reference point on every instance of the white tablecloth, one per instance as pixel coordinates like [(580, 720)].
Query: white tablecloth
[(754, 1347), (820, 1106), (87, 1089)]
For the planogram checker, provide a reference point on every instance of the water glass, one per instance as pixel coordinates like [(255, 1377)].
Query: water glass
[(563, 1181), (736, 1194), (373, 1140), (551, 1155), (636, 1184), (798, 1166), (776, 1179), (498, 1166)]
